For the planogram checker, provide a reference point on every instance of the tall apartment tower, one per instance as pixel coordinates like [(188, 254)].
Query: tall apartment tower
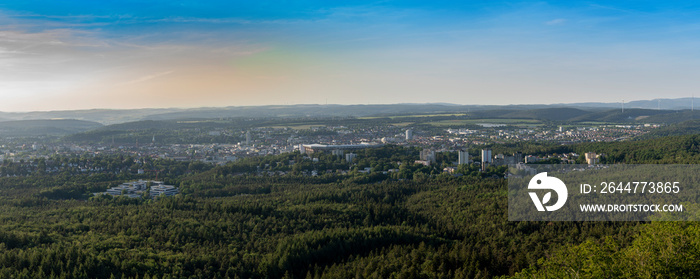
[(592, 158), (350, 157), (247, 138), (428, 155), (518, 157), (409, 134), (463, 157), (486, 156)]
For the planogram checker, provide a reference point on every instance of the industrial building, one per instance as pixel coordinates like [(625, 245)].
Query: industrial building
[(163, 190), (136, 189), (132, 189)]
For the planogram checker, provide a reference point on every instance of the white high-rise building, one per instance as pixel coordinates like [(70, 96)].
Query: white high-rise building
[(463, 157), (486, 156), (529, 159), (247, 138), (518, 157), (428, 155), (591, 158), (350, 157), (409, 134)]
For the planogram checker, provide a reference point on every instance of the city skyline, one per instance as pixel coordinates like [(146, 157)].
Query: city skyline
[(158, 54)]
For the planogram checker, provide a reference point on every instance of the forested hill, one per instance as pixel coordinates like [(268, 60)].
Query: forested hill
[(657, 111), (268, 217), (678, 149), (684, 149), (23, 128), (690, 127)]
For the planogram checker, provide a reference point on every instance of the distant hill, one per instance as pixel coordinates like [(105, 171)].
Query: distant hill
[(308, 111), (561, 112), (664, 104), (491, 113), (630, 115), (691, 127), (24, 128), (674, 117), (104, 116), (553, 114), (616, 115), (656, 104)]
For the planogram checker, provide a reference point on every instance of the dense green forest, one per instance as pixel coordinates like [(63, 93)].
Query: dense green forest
[(196, 131), (246, 220), (684, 149)]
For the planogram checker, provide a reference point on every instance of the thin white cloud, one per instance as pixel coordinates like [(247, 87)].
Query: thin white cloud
[(558, 21), (147, 78), (5, 52), (18, 14), (195, 20), (20, 40), (239, 50)]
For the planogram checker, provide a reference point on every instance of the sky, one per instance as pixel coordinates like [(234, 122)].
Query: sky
[(63, 55)]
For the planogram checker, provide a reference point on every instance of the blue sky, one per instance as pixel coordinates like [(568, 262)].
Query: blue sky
[(58, 55)]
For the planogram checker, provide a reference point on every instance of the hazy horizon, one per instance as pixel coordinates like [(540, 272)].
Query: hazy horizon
[(591, 104), (183, 54)]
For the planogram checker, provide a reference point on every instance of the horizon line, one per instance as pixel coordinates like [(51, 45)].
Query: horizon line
[(355, 104)]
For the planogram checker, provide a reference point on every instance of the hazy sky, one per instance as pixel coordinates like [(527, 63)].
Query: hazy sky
[(57, 55)]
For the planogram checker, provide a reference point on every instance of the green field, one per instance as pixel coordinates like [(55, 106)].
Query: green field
[(506, 121), (596, 123), (413, 115), (402, 124)]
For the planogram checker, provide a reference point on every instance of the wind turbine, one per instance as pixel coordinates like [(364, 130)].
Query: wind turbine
[(623, 105)]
